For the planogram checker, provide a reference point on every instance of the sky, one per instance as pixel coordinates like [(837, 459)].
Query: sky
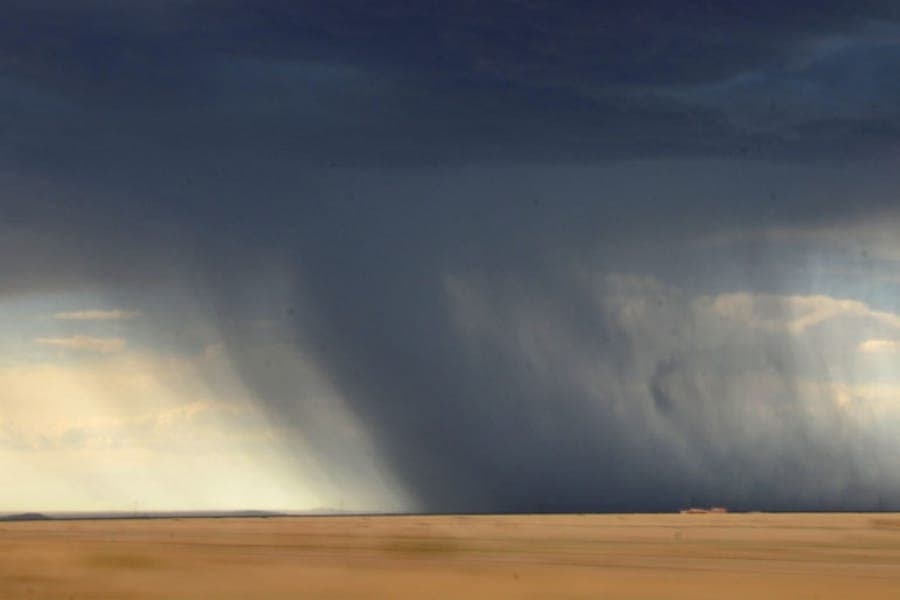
[(507, 256)]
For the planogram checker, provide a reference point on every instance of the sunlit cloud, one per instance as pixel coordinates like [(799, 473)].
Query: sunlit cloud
[(879, 346), (97, 315), (797, 313), (191, 425), (86, 343)]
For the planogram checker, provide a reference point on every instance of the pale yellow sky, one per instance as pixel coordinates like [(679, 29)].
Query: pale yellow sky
[(101, 424)]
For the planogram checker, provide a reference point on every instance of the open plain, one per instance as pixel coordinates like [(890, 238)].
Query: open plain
[(669, 556)]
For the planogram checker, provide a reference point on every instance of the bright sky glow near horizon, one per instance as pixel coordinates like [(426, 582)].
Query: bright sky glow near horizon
[(502, 256), (98, 417)]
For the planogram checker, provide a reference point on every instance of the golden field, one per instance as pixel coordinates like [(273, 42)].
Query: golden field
[(674, 556)]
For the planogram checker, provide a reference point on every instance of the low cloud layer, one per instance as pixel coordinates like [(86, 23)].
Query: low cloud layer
[(85, 342), (97, 315)]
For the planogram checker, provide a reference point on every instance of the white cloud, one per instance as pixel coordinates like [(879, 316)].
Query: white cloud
[(796, 314), (879, 346), (97, 315), (85, 343)]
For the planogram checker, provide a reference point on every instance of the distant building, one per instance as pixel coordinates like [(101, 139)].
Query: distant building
[(704, 511)]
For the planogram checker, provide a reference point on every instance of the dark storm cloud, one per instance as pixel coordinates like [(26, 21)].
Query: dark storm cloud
[(388, 82), (468, 314), (460, 321)]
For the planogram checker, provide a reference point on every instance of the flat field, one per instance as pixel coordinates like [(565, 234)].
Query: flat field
[(712, 556)]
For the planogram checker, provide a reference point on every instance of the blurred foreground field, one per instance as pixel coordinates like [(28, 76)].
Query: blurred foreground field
[(593, 556)]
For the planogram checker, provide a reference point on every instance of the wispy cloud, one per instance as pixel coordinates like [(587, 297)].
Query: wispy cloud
[(97, 315), (86, 343)]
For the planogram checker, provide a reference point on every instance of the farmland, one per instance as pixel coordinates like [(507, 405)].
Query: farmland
[(557, 556)]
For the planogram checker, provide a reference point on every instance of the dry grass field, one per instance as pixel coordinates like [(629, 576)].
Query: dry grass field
[(604, 556)]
